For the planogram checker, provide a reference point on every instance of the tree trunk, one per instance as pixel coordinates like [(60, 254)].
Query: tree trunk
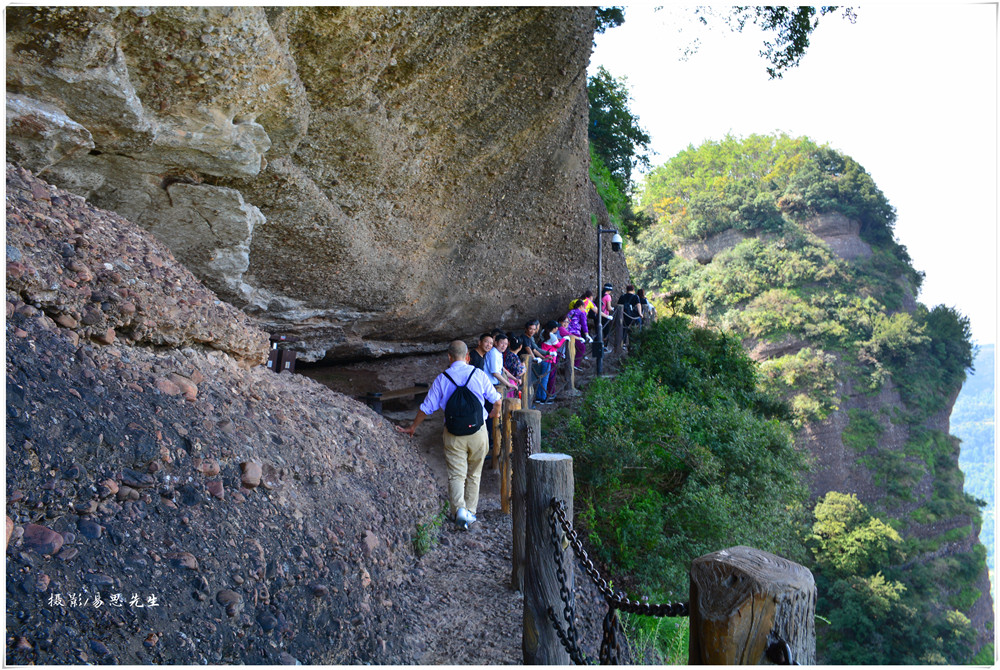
[(548, 476), (744, 600)]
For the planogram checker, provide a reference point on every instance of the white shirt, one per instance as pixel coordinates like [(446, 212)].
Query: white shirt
[(441, 389)]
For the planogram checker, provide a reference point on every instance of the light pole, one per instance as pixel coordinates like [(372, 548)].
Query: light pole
[(616, 245)]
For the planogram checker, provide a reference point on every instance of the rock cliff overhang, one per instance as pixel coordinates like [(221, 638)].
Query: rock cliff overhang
[(374, 179)]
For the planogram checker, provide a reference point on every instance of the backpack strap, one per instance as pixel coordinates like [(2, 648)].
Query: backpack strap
[(456, 383)]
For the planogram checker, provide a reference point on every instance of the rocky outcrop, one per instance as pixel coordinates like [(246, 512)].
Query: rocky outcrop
[(372, 179), (841, 234), (102, 279), (166, 504), (704, 251)]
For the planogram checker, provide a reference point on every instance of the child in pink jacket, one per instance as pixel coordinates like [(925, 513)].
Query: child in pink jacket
[(550, 343)]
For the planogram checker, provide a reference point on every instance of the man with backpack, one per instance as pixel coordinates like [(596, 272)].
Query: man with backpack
[(461, 391)]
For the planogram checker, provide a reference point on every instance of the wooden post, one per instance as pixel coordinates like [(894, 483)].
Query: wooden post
[(527, 432), (571, 365), (743, 600), (528, 392), (495, 427), (619, 329), (549, 476), (509, 405)]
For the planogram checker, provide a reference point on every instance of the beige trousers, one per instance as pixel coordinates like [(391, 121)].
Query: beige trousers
[(464, 455)]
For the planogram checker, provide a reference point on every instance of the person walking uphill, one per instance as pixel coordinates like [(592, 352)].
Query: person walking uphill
[(461, 391)]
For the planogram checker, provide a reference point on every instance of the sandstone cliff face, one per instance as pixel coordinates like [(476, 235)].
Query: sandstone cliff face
[(372, 179), (268, 517), (835, 466)]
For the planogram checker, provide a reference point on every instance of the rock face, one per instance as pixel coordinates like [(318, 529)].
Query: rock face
[(842, 235), (165, 504), (370, 179)]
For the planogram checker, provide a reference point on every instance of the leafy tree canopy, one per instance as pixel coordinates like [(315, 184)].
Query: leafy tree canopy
[(614, 131), (790, 26), (608, 17)]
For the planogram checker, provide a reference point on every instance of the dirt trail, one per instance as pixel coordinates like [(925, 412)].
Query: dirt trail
[(461, 608)]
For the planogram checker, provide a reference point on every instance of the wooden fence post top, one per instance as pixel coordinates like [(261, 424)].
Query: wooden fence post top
[(549, 457), (743, 600), (757, 566)]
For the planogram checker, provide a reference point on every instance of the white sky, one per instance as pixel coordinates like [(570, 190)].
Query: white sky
[(909, 91)]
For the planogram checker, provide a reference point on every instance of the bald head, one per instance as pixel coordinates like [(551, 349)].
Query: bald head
[(457, 351)]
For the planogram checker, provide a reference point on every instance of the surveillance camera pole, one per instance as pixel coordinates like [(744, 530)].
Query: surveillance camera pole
[(599, 355)]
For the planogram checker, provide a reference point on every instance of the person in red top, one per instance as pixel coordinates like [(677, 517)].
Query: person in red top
[(607, 318)]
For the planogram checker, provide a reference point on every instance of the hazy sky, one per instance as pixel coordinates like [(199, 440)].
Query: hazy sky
[(909, 91)]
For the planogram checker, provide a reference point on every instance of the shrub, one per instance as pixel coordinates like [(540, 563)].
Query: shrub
[(681, 455)]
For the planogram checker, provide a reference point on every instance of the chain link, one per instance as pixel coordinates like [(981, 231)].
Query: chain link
[(618, 600), (567, 596), (574, 652), (610, 650), (529, 443)]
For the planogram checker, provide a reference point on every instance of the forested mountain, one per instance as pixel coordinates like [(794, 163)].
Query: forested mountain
[(788, 245), (973, 422)]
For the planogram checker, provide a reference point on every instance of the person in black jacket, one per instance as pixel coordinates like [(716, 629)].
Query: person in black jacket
[(631, 311)]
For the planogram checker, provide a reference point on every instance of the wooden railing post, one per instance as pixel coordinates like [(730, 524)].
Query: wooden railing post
[(495, 424), (548, 476), (571, 365), (526, 432), (528, 392), (744, 600), (509, 405)]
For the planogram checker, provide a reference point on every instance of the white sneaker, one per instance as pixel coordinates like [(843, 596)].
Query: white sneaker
[(463, 518)]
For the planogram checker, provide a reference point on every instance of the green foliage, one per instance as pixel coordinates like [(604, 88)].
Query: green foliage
[(986, 656), (608, 17), (614, 131), (808, 379), (425, 536), (791, 25), (874, 617), (863, 431), (657, 640), (846, 540), (934, 366), (849, 325), (680, 455), (607, 187)]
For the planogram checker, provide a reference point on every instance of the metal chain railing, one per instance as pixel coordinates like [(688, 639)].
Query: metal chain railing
[(611, 652), (568, 638), (778, 651)]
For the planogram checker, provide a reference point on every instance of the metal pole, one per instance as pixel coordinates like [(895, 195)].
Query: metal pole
[(599, 356)]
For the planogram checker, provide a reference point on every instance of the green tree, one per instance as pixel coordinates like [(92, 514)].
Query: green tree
[(791, 27), (614, 131), (846, 540)]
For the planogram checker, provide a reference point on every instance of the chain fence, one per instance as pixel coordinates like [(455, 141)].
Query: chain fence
[(611, 652), (778, 651)]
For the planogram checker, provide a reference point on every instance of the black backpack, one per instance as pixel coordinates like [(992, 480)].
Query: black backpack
[(463, 413)]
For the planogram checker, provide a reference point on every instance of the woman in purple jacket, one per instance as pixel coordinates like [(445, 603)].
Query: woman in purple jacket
[(578, 328)]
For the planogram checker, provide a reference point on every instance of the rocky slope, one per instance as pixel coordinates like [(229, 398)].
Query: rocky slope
[(372, 179), (169, 500)]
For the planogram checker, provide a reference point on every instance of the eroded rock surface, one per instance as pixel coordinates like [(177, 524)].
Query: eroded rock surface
[(373, 179), (165, 503)]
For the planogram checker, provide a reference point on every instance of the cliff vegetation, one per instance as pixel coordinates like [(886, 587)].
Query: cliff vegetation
[(788, 246)]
